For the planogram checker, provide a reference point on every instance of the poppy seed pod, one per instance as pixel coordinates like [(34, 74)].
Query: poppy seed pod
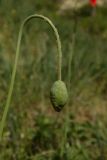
[(58, 95)]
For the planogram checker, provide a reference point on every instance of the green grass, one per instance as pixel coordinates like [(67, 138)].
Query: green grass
[(34, 131)]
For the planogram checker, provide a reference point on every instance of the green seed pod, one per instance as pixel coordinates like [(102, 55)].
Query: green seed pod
[(58, 95)]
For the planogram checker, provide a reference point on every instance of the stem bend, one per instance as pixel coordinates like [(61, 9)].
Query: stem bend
[(6, 109)]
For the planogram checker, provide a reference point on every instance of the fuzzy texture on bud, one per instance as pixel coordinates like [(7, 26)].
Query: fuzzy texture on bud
[(58, 95)]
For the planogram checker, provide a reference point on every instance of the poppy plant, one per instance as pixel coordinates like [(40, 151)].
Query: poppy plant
[(59, 93), (93, 3)]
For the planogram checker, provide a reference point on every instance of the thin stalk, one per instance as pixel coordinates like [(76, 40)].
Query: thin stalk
[(45, 153), (72, 47), (97, 49), (6, 108)]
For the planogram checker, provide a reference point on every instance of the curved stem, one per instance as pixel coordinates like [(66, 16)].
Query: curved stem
[(6, 109)]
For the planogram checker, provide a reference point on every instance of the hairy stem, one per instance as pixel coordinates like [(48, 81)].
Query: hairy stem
[(6, 109)]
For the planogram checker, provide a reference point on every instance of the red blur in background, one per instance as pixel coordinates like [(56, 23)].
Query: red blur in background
[(93, 3)]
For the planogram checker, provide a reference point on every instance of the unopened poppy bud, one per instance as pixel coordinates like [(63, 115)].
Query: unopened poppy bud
[(58, 95)]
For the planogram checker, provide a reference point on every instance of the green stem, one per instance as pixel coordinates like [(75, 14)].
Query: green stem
[(70, 58), (6, 109)]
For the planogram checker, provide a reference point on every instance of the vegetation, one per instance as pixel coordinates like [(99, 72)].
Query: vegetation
[(34, 131)]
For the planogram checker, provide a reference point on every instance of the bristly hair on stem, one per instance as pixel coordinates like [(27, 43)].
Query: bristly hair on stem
[(6, 108)]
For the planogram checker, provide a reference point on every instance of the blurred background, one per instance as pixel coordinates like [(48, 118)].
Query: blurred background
[(34, 131)]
